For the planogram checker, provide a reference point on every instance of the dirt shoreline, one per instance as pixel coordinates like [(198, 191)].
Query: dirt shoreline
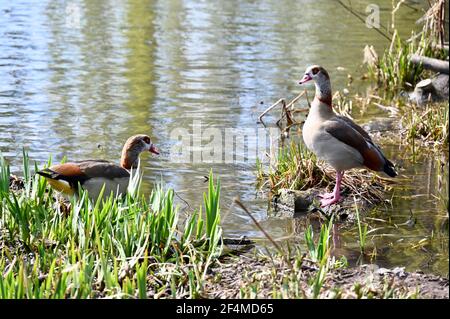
[(257, 277)]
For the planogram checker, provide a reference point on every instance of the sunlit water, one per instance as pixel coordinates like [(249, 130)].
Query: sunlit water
[(77, 78)]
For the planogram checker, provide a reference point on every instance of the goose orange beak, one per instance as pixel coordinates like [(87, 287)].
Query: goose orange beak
[(153, 149)]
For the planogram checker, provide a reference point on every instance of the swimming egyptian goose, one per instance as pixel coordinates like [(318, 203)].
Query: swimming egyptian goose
[(337, 139), (93, 174)]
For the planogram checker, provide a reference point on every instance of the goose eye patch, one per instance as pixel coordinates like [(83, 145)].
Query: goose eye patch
[(147, 140), (315, 71)]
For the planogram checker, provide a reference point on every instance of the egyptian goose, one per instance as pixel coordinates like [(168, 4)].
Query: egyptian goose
[(337, 139), (93, 174)]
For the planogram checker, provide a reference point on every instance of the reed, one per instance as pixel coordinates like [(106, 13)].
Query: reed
[(128, 246), (395, 70), (427, 125)]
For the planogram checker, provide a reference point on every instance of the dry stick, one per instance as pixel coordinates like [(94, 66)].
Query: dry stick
[(287, 112), (269, 109), (390, 109), (283, 113), (239, 203), (394, 11), (296, 98), (187, 204), (289, 120), (293, 124), (307, 99)]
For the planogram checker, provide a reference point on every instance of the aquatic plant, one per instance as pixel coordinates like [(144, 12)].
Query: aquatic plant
[(319, 252), (395, 70), (4, 175), (429, 125), (127, 247), (297, 168)]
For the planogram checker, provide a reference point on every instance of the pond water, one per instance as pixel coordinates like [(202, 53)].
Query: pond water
[(77, 78)]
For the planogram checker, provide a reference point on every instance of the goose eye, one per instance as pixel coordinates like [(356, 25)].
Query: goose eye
[(147, 140), (315, 71)]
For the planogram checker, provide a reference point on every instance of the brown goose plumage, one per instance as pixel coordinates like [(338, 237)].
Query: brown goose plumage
[(337, 139), (93, 174)]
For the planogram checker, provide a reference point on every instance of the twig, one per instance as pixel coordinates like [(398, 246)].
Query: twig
[(296, 99), (391, 109), (239, 203), (182, 199), (268, 110), (285, 108)]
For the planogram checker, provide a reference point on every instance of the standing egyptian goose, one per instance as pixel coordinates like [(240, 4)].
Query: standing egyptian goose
[(93, 174), (337, 139)]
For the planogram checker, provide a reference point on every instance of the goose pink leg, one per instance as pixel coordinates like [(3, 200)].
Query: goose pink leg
[(335, 196), (327, 195)]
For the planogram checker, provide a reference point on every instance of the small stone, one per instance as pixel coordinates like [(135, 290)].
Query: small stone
[(382, 271)]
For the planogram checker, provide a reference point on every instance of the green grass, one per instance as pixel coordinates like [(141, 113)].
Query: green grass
[(317, 277), (296, 168), (299, 169), (129, 247), (394, 71), (319, 252), (427, 125), (135, 247), (4, 176)]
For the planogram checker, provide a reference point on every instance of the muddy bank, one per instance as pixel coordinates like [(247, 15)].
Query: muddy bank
[(259, 277)]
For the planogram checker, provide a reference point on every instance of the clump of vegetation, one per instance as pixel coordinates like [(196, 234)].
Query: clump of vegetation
[(319, 252), (395, 70), (295, 168), (298, 169), (295, 282), (427, 124), (126, 247)]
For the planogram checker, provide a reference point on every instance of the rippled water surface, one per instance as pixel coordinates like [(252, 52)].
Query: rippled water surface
[(77, 78)]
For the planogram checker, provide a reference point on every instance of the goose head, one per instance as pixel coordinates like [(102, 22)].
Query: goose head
[(322, 82), (133, 147), (316, 73)]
